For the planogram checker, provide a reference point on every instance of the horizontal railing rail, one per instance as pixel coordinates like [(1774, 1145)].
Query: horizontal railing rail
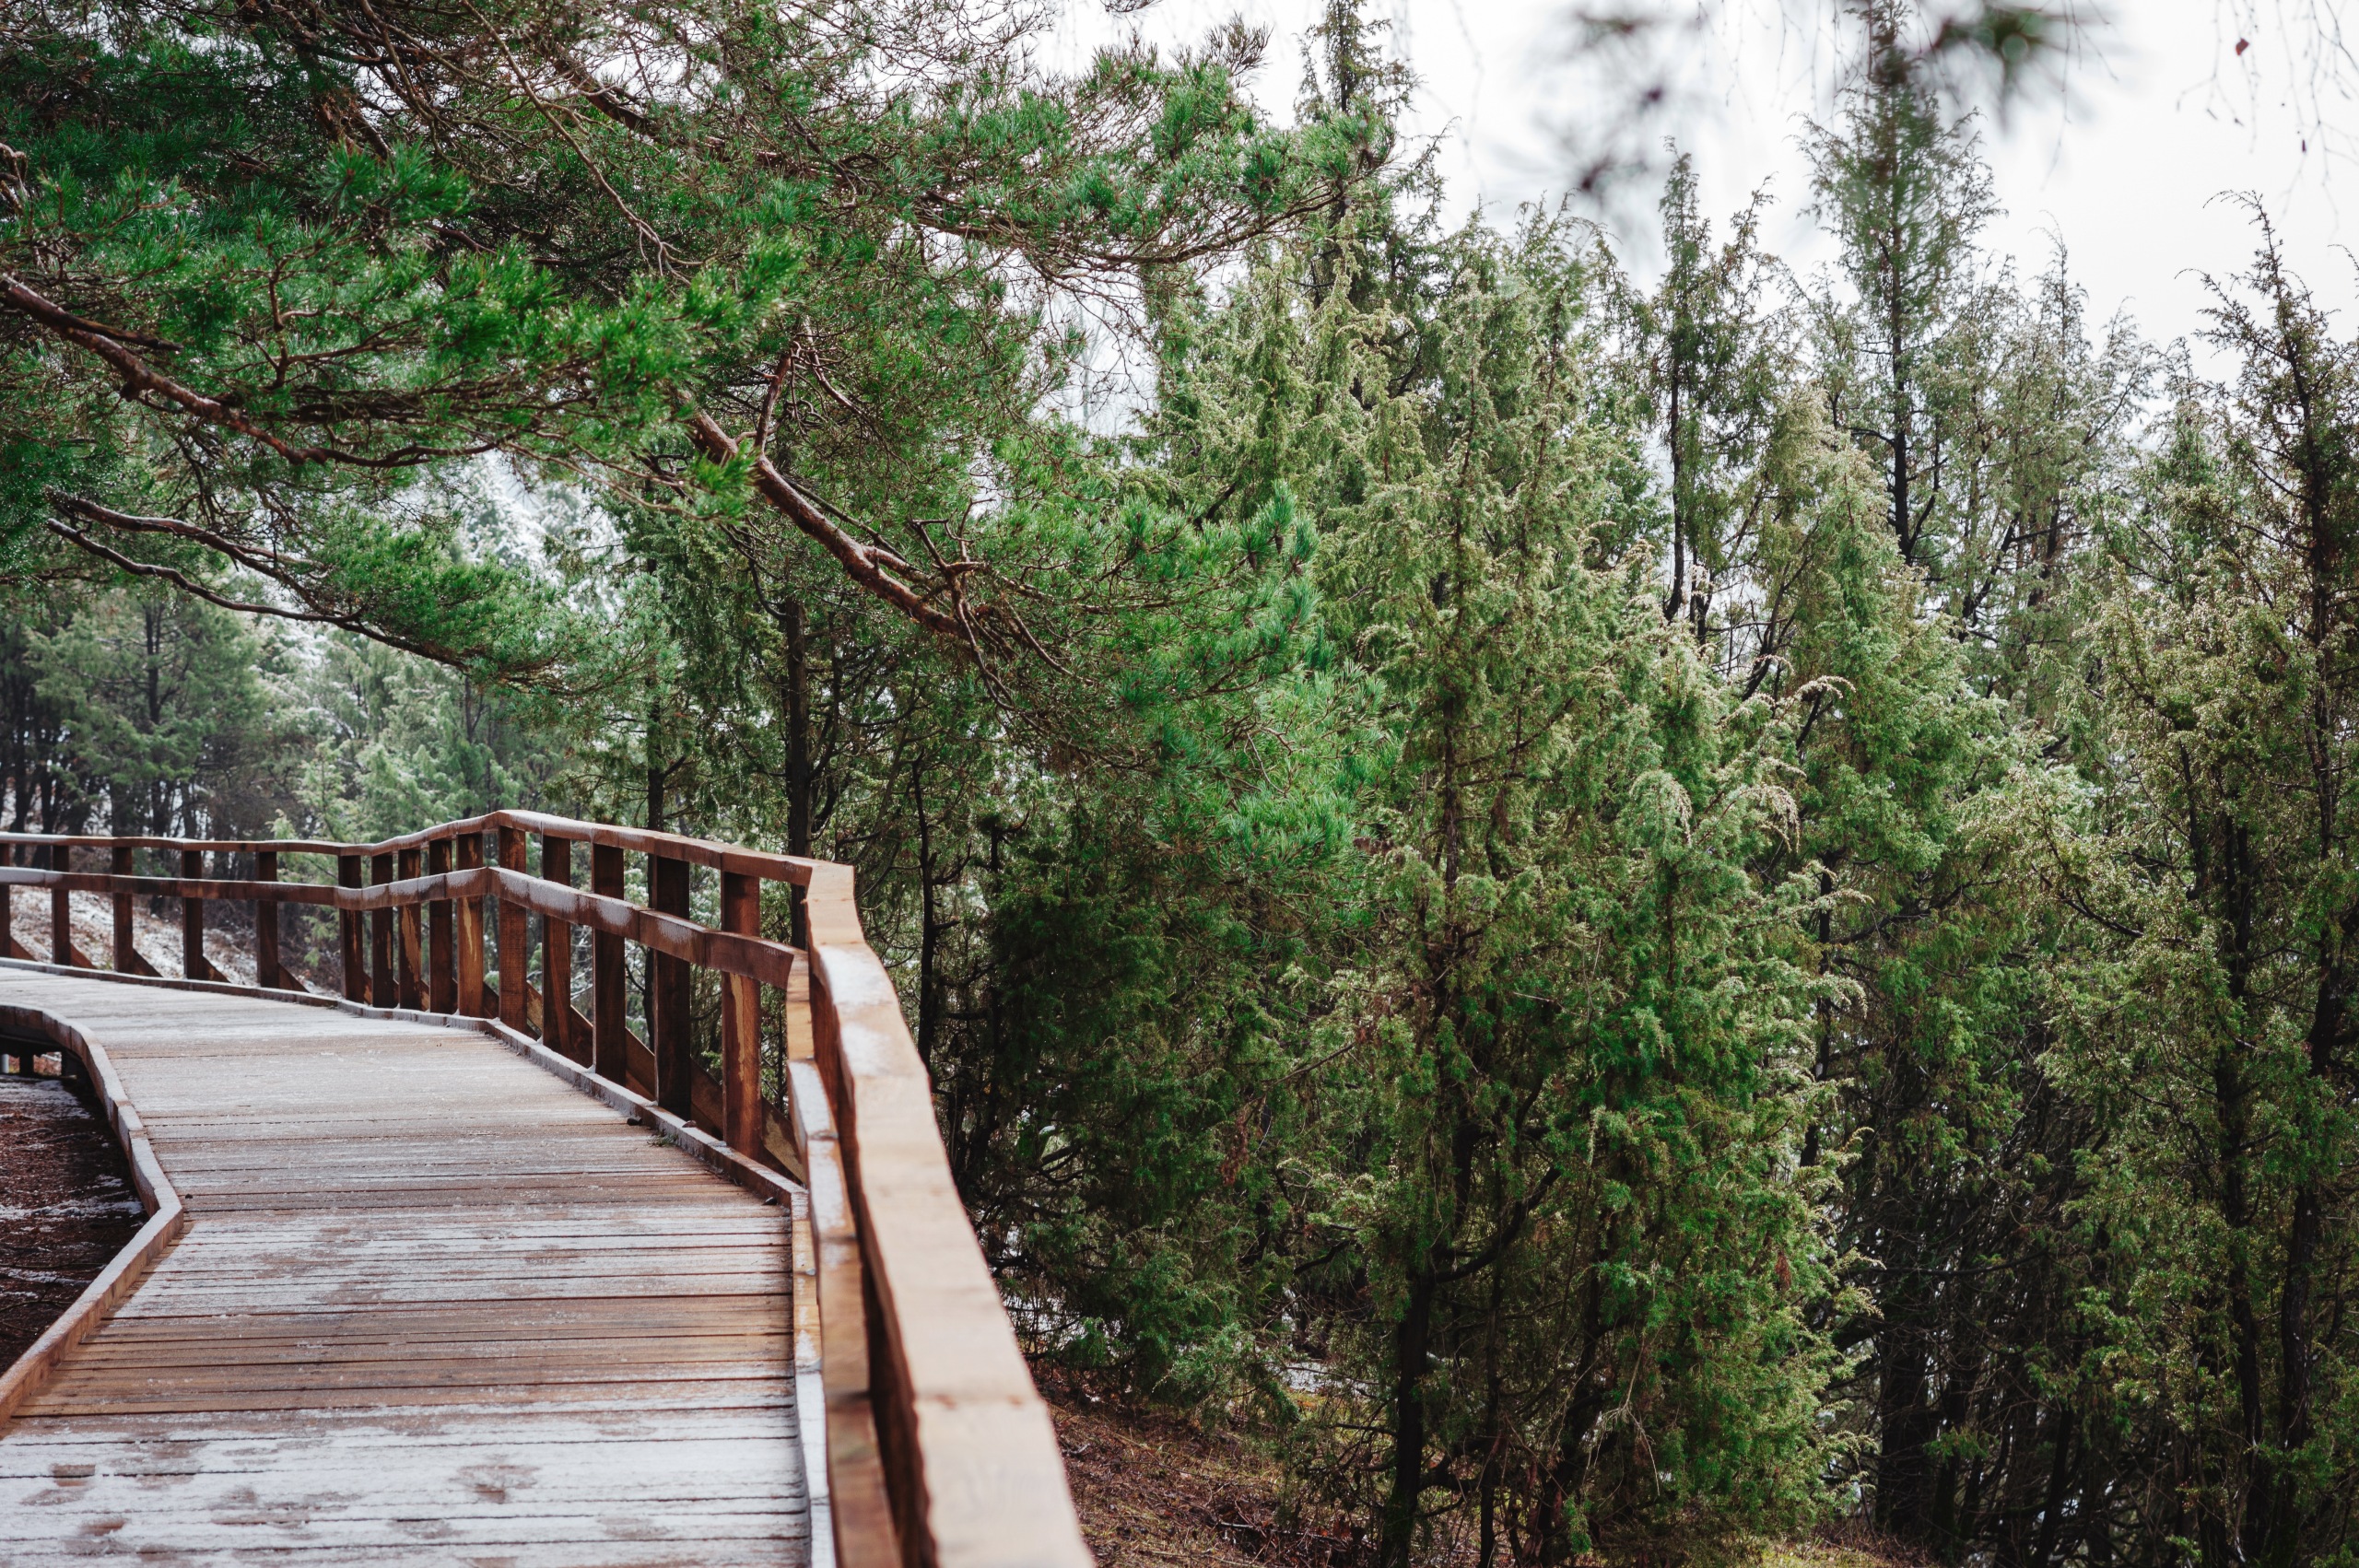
[(940, 1451)]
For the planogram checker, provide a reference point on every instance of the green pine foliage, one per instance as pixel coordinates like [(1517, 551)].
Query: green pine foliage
[(1623, 917)]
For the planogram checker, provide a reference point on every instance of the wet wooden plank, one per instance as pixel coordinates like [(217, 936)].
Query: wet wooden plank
[(430, 1304)]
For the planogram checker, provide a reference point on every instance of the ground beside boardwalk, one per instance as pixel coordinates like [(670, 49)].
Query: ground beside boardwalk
[(67, 1205)]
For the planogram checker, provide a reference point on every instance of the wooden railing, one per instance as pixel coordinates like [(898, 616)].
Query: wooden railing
[(939, 1451)]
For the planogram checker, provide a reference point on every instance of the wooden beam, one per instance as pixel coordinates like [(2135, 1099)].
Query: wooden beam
[(515, 946), (268, 972), (667, 1020), (469, 936), (442, 979), (556, 956), (382, 990), (126, 952), (409, 938), (193, 961), (741, 1023), (348, 922), (61, 909), (609, 1017)]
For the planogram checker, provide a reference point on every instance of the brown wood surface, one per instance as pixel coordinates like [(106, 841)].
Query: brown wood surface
[(467, 855), (442, 943), (974, 1473), (557, 957), (267, 967), (431, 1306), (938, 1451), (667, 991), (514, 919), (348, 875)]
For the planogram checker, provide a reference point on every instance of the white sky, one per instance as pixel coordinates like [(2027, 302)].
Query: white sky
[(2156, 120)]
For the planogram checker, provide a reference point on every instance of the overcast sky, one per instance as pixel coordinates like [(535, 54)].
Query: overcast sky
[(2155, 119)]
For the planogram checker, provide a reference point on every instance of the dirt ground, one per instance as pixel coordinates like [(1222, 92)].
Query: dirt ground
[(67, 1204), (1152, 1489)]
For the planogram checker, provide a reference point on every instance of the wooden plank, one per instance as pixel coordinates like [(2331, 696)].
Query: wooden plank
[(609, 1020), (468, 856), (514, 947), (409, 939), (126, 954), (741, 1022), (442, 978), (348, 875), (975, 1474), (267, 970), (428, 1300), (382, 991), (557, 957), (667, 993), (61, 912)]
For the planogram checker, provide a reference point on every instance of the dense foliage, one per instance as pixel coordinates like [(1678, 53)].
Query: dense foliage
[(1622, 917)]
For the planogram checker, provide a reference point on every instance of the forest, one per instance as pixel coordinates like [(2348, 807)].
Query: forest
[(1620, 915)]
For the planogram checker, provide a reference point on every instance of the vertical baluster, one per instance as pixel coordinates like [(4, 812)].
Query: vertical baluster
[(441, 943), (60, 908), (193, 961), (267, 972), (515, 936), (609, 1019), (469, 936), (556, 955), (8, 948), (741, 1022), (348, 922), (125, 960), (409, 956), (667, 1020), (381, 992)]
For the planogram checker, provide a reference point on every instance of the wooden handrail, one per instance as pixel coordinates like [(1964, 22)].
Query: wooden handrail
[(940, 1453)]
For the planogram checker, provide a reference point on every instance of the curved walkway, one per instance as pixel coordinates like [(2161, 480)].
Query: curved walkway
[(433, 1305)]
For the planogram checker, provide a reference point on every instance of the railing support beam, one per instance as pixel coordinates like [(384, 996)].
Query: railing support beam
[(61, 909), (347, 923), (382, 991), (409, 942), (741, 1022), (193, 963), (609, 1017), (126, 961), (442, 943), (556, 956), (667, 1009), (470, 933), (515, 930), (268, 974)]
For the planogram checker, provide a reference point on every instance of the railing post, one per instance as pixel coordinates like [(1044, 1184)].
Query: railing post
[(267, 972), (193, 963), (556, 955), (470, 933), (408, 955), (347, 921), (120, 865), (60, 908), (441, 979), (667, 1020), (381, 938), (515, 934), (741, 1022), (609, 1019)]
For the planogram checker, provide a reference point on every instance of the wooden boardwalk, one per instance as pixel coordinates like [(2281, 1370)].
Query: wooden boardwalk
[(433, 1305)]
